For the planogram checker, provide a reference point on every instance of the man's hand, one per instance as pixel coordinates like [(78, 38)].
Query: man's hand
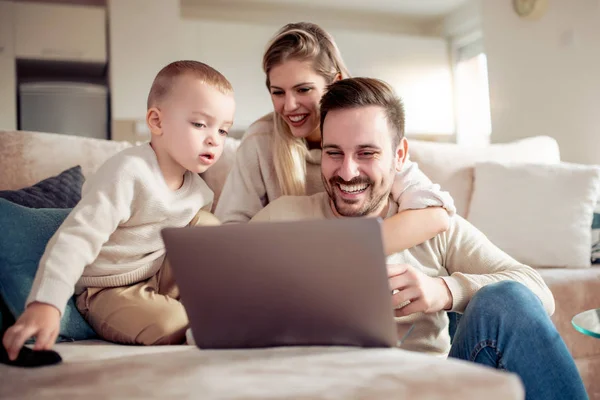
[(426, 294), (40, 320)]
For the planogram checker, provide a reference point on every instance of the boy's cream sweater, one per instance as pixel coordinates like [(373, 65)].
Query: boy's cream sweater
[(252, 182), (462, 256), (112, 237)]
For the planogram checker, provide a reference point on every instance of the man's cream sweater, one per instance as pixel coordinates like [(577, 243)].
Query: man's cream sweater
[(112, 237), (462, 256), (252, 182)]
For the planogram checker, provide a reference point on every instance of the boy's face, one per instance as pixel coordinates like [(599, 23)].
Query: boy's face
[(195, 120)]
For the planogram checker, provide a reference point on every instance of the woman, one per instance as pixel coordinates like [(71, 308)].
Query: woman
[(281, 154)]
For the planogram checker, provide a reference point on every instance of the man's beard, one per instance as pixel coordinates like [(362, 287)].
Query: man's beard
[(371, 204)]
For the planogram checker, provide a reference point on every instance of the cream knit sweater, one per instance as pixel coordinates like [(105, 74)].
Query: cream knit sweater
[(252, 182), (112, 237), (462, 256)]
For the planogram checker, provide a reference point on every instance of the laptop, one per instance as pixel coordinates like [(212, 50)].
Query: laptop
[(303, 283)]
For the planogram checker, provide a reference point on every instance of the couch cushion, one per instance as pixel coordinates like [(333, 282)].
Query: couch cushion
[(184, 372), (28, 157), (20, 254), (575, 291), (451, 165), (552, 206), (61, 191)]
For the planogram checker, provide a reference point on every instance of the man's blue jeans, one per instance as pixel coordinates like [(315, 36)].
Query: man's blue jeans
[(506, 327)]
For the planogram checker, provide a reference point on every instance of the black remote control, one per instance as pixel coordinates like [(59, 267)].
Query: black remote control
[(29, 358)]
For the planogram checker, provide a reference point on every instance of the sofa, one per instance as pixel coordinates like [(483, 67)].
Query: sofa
[(575, 290), (94, 366)]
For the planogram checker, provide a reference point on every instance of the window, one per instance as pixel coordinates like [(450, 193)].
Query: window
[(471, 92)]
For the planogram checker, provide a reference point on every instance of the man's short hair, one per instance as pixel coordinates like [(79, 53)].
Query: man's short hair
[(165, 79), (362, 92)]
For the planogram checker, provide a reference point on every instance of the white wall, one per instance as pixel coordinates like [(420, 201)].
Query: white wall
[(147, 34), (142, 39), (416, 66), (545, 75), (267, 13), (235, 50), (463, 21)]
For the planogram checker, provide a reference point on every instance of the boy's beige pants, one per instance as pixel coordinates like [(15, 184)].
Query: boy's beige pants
[(146, 313)]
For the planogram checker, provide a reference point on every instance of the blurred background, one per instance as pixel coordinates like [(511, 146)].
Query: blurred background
[(469, 71)]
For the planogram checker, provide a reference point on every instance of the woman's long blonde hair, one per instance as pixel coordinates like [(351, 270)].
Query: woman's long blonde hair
[(306, 42)]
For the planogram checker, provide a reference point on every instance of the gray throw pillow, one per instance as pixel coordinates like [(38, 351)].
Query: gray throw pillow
[(60, 191)]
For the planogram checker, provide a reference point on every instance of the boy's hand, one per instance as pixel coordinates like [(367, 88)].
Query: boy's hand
[(40, 320)]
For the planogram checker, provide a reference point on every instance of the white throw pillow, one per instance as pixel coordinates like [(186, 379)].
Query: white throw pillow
[(539, 214), (451, 165)]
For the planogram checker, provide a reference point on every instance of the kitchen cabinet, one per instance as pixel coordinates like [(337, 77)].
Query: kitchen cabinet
[(60, 32)]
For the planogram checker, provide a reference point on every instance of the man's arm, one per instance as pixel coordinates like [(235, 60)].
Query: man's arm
[(473, 261)]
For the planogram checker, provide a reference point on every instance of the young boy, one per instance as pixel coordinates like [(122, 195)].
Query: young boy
[(109, 251)]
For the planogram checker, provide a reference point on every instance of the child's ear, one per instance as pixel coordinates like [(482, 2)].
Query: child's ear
[(154, 121), (401, 154)]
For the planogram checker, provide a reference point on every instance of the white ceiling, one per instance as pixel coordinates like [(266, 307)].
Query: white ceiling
[(422, 9)]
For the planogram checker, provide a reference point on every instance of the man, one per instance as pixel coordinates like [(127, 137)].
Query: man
[(505, 304)]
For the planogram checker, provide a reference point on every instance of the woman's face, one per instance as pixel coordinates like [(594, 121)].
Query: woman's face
[(296, 89)]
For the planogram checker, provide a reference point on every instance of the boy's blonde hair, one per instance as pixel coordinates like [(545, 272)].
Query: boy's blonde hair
[(302, 41), (166, 78)]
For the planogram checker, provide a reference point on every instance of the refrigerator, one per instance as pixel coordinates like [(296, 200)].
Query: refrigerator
[(70, 108)]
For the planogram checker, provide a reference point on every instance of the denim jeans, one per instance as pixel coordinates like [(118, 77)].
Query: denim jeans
[(506, 327)]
